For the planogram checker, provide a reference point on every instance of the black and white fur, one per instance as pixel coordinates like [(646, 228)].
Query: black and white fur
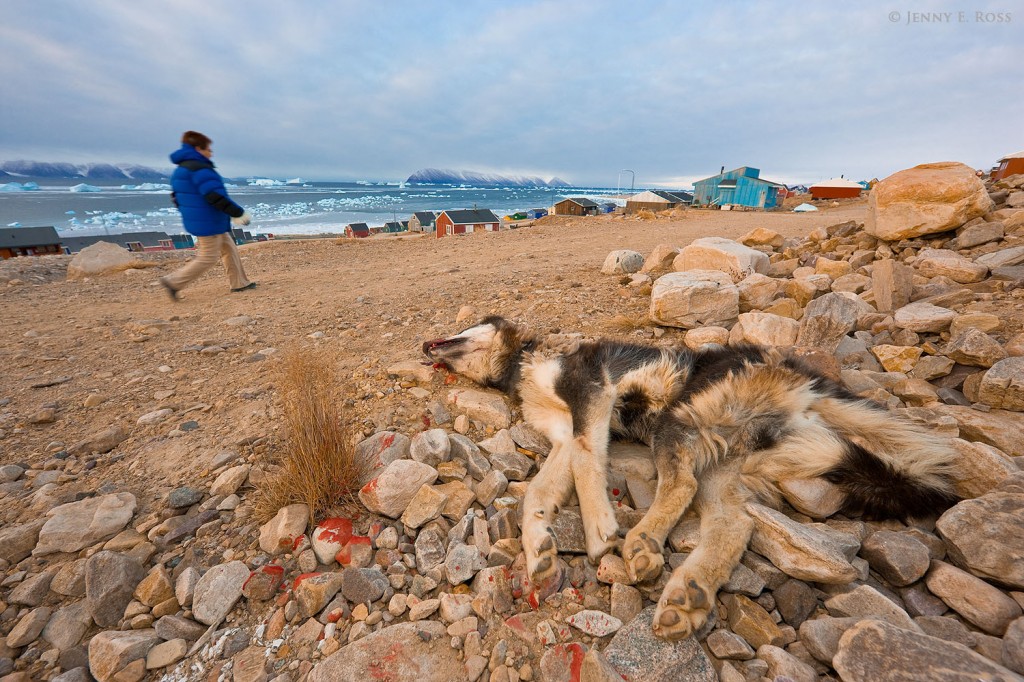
[(725, 426)]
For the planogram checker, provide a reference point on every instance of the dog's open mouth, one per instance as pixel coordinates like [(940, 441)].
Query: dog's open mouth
[(429, 346)]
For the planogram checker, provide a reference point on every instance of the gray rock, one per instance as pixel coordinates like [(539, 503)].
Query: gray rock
[(395, 486), (101, 442), (622, 261), (1002, 258), (218, 590), (73, 526), (493, 583), (946, 263), (949, 629), (865, 601), (68, 625), (898, 557), (983, 536), (795, 601), (112, 650), (923, 317), (463, 562), (430, 447), (866, 655), (381, 449), (79, 674), (1002, 386), (363, 585), (28, 629), (821, 636), (110, 581), (974, 599), (569, 535), (638, 655), (515, 466), (783, 665), (69, 580), (800, 551), (694, 299), (490, 486), (430, 549), (466, 451), (279, 533), (17, 541), (529, 439), (32, 591), (728, 645), (408, 652), (1013, 646), (184, 496), (892, 283), (829, 318), (178, 627), (975, 348)]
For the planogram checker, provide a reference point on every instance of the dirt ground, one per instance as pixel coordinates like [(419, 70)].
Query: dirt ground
[(369, 303)]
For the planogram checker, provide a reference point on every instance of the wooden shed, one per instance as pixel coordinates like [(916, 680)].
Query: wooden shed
[(1013, 164), (29, 241), (466, 221), (576, 206), (740, 187), (422, 221), (358, 230), (656, 200), (836, 188)]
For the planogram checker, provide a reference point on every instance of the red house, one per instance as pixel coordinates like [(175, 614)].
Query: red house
[(466, 221), (836, 188), (1012, 164), (357, 230)]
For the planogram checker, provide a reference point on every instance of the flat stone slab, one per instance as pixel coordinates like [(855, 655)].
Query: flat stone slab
[(638, 655), (408, 652)]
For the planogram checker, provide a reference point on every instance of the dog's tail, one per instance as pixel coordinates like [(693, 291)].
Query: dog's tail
[(888, 467)]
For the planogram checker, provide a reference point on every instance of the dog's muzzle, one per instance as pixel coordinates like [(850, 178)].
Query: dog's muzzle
[(430, 346)]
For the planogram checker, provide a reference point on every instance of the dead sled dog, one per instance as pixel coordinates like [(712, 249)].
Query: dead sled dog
[(725, 425)]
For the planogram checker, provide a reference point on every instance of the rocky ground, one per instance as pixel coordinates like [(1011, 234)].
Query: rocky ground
[(136, 433)]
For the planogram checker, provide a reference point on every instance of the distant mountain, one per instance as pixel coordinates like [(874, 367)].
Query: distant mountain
[(93, 171), (437, 176)]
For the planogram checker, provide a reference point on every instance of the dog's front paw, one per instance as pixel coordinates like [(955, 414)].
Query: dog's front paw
[(643, 556), (541, 552), (602, 533), (684, 607)]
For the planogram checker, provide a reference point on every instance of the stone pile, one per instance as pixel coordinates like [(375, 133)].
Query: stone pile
[(430, 585)]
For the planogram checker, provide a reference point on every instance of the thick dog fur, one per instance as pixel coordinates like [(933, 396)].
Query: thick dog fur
[(725, 426)]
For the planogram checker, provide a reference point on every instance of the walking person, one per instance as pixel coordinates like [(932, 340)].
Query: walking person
[(207, 213)]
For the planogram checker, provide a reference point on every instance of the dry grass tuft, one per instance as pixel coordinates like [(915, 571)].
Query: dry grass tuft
[(646, 214), (628, 323), (318, 464)]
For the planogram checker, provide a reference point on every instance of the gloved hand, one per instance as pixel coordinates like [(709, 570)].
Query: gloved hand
[(243, 219)]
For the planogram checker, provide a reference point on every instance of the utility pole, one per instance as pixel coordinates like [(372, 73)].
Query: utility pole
[(632, 180)]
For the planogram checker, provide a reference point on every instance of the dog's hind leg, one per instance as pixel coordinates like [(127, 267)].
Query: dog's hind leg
[(645, 542), (725, 530), (545, 493), (588, 453)]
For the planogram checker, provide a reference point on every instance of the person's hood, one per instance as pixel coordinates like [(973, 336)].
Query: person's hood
[(189, 153)]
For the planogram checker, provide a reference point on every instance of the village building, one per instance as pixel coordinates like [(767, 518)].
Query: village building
[(133, 241), (739, 187), (422, 221), (393, 226), (28, 241), (1012, 164), (535, 213), (836, 188), (466, 221), (357, 230), (657, 200), (576, 206)]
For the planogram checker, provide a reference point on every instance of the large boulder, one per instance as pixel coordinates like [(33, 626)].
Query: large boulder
[(98, 259), (983, 536), (1002, 385), (925, 199), (695, 298), (407, 652), (76, 525), (724, 255)]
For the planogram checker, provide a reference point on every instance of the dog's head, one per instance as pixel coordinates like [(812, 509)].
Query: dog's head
[(480, 353)]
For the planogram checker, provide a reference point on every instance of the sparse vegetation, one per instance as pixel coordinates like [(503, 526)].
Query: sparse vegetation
[(646, 214), (318, 463), (628, 323)]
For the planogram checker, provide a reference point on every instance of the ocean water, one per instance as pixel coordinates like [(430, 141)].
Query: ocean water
[(301, 208)]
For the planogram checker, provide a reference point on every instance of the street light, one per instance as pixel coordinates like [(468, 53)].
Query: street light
[(632, 180)]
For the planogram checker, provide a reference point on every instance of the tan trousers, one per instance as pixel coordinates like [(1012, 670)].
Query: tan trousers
[(208, 251)]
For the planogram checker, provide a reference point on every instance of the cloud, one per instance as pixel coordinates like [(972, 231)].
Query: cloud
[(356, 89)]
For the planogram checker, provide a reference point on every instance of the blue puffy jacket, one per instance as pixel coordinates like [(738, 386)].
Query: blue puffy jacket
[(199, 193)]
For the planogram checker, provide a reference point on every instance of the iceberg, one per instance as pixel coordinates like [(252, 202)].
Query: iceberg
[(264, 182), (12, 187), (804, 208), (295, 181), (84, 188)]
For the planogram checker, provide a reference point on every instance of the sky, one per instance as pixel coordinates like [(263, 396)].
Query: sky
[(586, 91)]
